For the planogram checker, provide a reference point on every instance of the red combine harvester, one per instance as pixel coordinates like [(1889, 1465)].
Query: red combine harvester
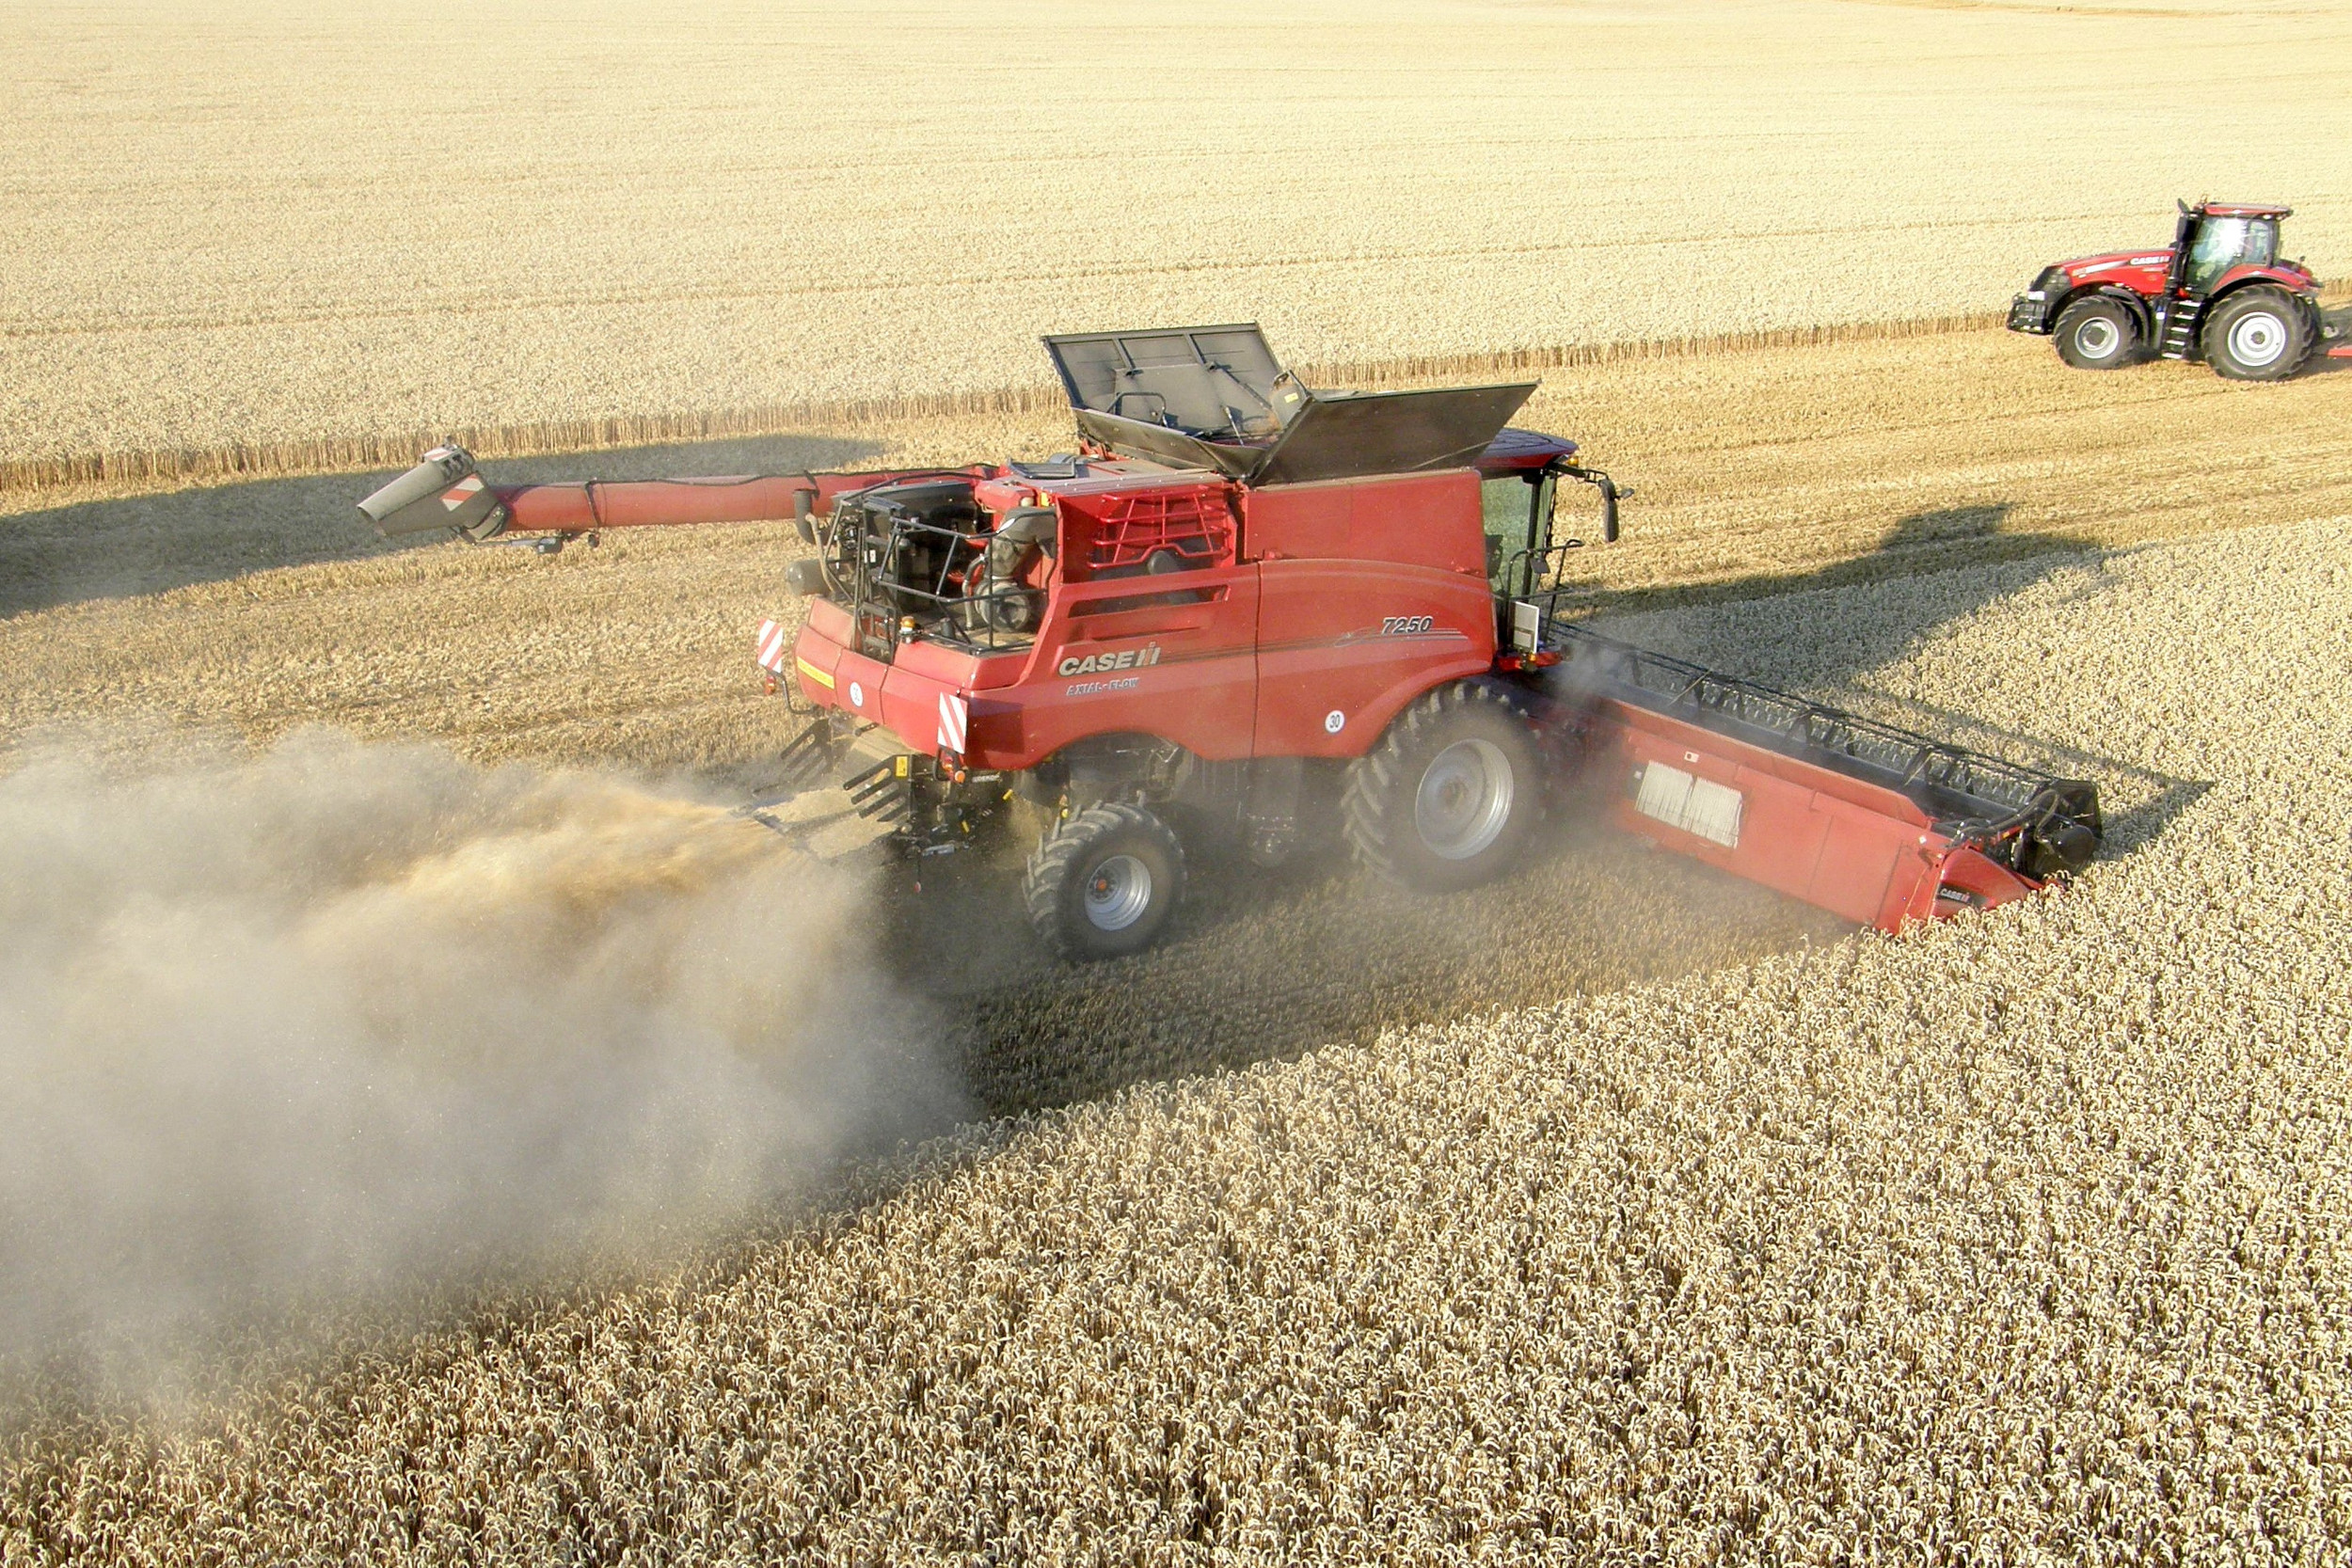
[(1247, 607), (2219, 291)]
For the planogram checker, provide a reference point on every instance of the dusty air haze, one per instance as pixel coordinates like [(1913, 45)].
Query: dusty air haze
[(344, 1019)]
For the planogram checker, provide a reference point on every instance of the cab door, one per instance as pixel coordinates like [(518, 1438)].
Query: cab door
[(1515, 510)]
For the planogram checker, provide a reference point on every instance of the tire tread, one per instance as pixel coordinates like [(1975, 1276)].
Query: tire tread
[(1369, 800), (1045, 879), (2215, 331)]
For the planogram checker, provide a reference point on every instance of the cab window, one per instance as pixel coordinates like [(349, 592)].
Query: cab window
[(1514, 506), (2225, 242)]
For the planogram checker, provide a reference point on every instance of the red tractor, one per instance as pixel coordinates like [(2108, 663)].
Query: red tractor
[(1243, 608), (2220, 290)]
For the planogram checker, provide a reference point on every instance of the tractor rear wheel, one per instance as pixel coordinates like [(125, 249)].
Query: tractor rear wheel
[(1103, 883), (2097, 334), (1448, 796), (2257, 334)]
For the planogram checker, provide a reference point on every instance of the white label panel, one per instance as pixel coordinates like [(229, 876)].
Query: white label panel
[(1684, 801)]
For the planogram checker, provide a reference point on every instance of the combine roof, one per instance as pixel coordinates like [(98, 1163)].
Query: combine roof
[(1214, 397), (2244, 210)]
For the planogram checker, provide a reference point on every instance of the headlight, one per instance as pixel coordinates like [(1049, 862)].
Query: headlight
[(2051, 280)]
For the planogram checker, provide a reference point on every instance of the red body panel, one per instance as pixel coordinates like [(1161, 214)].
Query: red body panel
[(1373, 592), (817, 651), (2293, 279), (1344, 645), (1107, 663), (2143, 271), (1411, 519), (1857, 851)]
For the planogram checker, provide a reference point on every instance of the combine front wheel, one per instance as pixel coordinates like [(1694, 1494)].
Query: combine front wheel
[(1103, 883), (1446, 798), (2257, 334), (2097, 335)]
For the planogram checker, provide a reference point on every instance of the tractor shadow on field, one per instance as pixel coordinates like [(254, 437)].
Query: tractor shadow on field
[(1268, 965), (152, 543)]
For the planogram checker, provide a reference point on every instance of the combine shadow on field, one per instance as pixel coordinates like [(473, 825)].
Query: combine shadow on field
[(152, 543), (1270, 965)]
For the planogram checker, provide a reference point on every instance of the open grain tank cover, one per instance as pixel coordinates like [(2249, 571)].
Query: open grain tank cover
[(1340, 435), (1216, 383), (1214, 397)]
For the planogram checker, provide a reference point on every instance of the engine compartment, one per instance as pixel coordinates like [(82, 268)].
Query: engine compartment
[(923, 557), (972, 562)]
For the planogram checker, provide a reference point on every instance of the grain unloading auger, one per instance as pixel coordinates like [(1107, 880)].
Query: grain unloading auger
[(1248, 608)]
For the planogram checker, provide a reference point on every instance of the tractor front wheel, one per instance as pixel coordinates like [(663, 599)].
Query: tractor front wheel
[(1448, 796), (1103, 883), (2257, 334), (2097, 334)]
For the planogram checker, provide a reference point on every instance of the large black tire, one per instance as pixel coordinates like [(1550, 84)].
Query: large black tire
[(2257, 334), (2097, 334), (1448, 796), (1103, 883)]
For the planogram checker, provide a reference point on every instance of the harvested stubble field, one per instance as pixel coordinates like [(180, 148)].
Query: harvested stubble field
[(1613, 1213), (291, 234), (2025, 1236)]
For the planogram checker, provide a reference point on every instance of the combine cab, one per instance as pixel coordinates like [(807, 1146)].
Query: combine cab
[(1245, 608), (2219, 291)]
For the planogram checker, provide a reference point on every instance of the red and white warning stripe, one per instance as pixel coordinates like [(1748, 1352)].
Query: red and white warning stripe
[(463, 491), (772, 647), (953, 717)]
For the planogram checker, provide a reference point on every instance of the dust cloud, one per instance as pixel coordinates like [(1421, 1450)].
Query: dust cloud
[(349, 1020)]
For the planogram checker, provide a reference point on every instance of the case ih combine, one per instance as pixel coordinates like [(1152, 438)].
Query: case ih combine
[(2219, 291), (1245, 608)]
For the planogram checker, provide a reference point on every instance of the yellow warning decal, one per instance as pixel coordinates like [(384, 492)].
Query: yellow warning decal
[(815, 673)]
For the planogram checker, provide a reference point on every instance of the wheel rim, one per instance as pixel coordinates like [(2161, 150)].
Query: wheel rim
[(2097, 338), (1464, 800), (2258, 340), (1117, 893)]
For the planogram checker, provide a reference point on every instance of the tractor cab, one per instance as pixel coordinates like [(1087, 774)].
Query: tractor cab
[(2214, 239)]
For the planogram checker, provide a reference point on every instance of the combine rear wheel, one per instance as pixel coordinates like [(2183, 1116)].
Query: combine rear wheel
[(2097, 334), (1103, 883), (2257, 334), (1448, 796)]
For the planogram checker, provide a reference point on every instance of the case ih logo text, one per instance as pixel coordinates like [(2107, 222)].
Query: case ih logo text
[(1126, 659)]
